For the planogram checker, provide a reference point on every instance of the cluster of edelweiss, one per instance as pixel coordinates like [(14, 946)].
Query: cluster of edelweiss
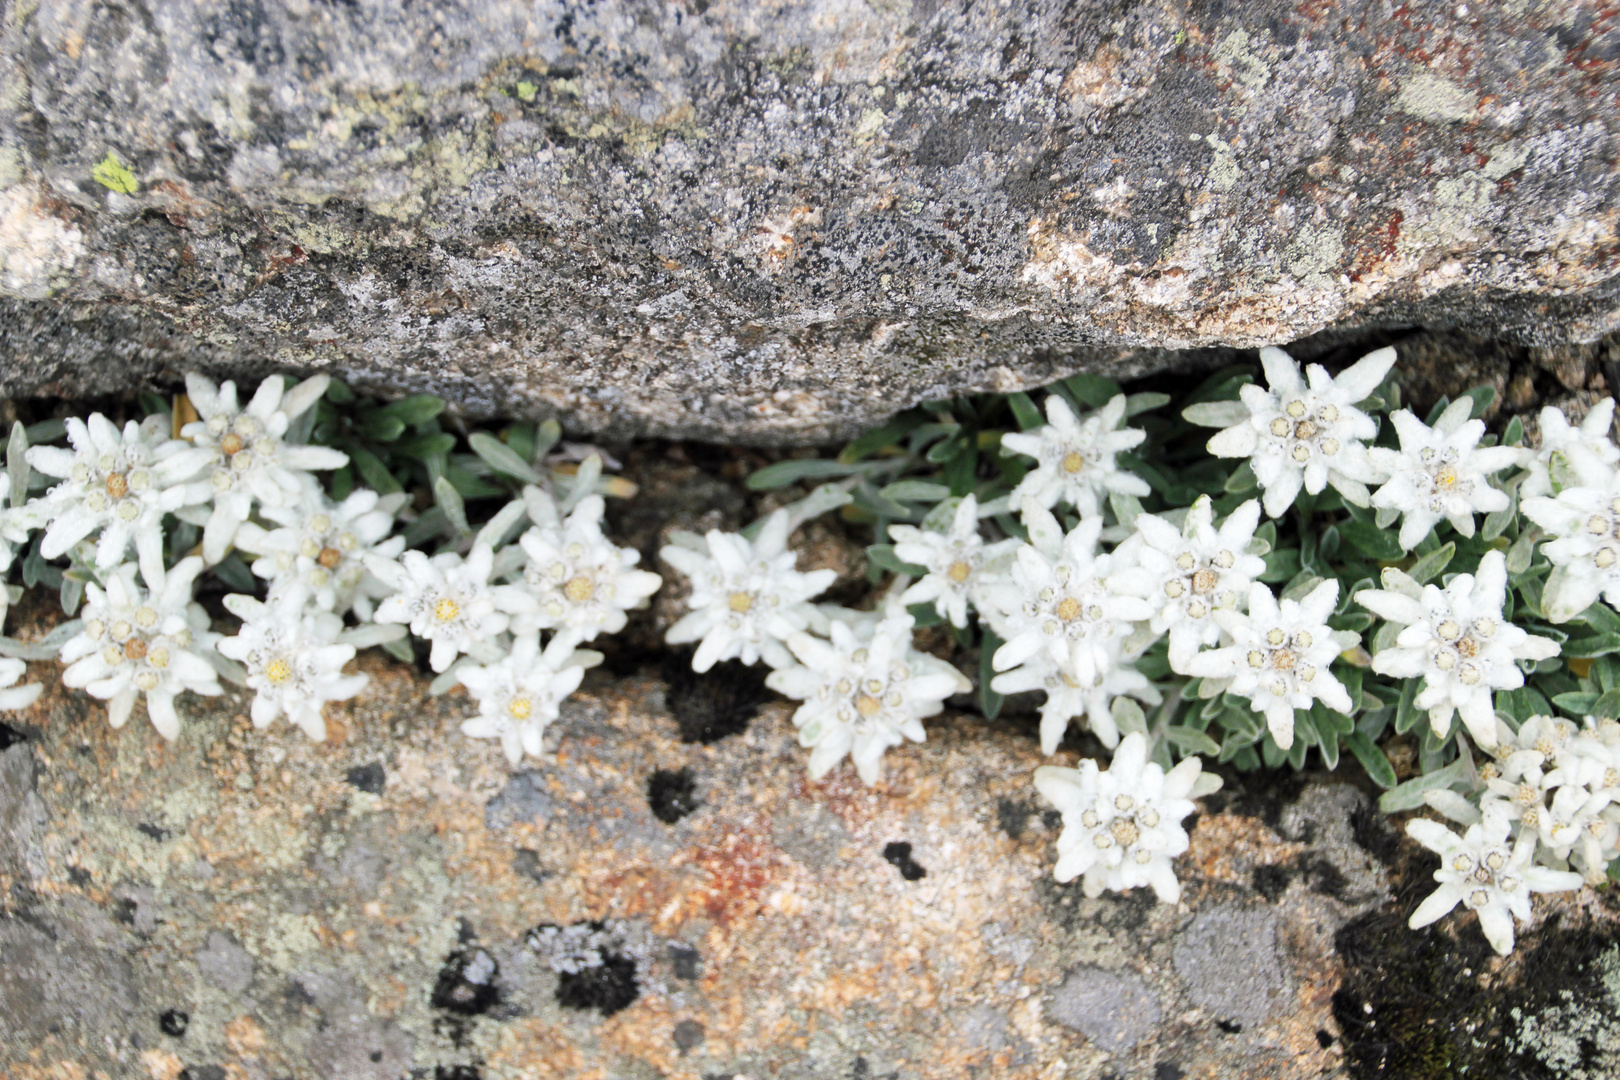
[(1072, 617)]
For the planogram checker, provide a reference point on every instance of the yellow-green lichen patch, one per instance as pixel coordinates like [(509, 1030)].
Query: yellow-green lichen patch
[(114, 175)]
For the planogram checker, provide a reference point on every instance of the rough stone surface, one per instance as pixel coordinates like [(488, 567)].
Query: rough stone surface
[(781, 221)]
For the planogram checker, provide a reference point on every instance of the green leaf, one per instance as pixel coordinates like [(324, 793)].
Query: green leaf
[(1483, 397), (1409, 796), (547, 435), (1370, 541), (924, 614), (1373, 759), (989, 700), (1607, 706), (1407, 714), (114, 175), (948, 449), (1280, 566), (1136, 404), (380, 428), (883, 555), (782, 473), (1190, 740), (1431, 564), (1577, 702), (915, 491), (1094, 391), (1598, 645), (1242, 481), (400, 649), (413, 410), (233, 572), (422, 447), (1024, 411), (502, 458), (372, 470), (17, 469), (449, 501), (46, 431), (1514, 435), (882, 438), (338, 392)]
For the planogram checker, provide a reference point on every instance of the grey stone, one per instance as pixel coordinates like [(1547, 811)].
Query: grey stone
[(225, 963), (1114, 1009), (783, 222), (21, 812), (50, 980), (1229, 959), (811, 835)]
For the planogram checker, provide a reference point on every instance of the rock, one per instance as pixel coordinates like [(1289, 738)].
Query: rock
[(1113, 1010), (782, 222)]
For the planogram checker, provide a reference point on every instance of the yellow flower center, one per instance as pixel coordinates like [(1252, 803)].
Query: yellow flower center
[(959, 571), (1204, 581), (446, 609), (135, 649), (579, 589), (1446, 477), (1073, 461), (117, 486), (1069, 609), (278, 671), (329, 558), (519, 708), (867, 705), (230, 444), (741, 602)]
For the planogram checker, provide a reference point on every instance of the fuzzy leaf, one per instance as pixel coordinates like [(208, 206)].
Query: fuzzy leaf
[(413, 410), (502, 458), (1024, 411), (1370, 540), (1373, 759), (450, 502), (1429, 567), (782, 473)]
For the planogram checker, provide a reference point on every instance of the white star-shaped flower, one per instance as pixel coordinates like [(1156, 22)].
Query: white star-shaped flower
[(323, 546), (747, 598), (1061, 601), (1122, 827), (136, 642), (1279, 656), (1441, 473), (1067, 698), (250, 459), (864, 690), (1587, 450), (447, 600), (1076, 457), (1298, 435), (120, 482), (1189, 574), (581, 582), (1482, 871), (1541, 781), (1584, 522), (955, 559), (294, 663), (519, 696), (12, 696), (1456, 640)]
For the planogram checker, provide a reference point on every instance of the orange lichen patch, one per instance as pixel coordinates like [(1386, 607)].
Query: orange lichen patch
[(244, 1037), (741, 868), (161, 1065), (1227, 848), (57, 1070), (531, 1047)]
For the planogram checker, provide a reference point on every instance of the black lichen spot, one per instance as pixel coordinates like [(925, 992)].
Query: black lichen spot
[(608, 986), (717, 703), (527, 863), (1372, 831), (466, 984), (1271, 881), (369, 778), (1012, 816), (10, 736), (202, 1072), (173, 1022), (79, 876), (1052, 819), (1231, 1027), (1323, 1039), (687, 1034), (125, 912), (688, 962), (1327, 880), (375, 1055), (1167, 1070), (156, 833), (669, 793), (898, 852), (457, 1072)]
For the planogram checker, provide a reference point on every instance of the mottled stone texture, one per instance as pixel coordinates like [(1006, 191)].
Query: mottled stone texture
[(780, 221)]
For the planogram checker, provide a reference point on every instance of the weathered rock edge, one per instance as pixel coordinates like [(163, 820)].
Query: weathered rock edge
[(780, 222)]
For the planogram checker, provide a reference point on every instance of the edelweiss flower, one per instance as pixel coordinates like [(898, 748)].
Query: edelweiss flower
[(1077, 457), (120, 483), (1279, 656), (1585, 521), (863, 692), (1190, 573), (323, 547), (1067, 698), (13, 696), (1296, 435), (134, 642), (293, 661), (447, 600), (1456, 641), (581, 582), (1122, 827), (955, 561), (1440, 472), (746, 596), (1587, 449), (1480, 869), (1061, 601), (250, 460), (523, 693), (1544, 780)]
